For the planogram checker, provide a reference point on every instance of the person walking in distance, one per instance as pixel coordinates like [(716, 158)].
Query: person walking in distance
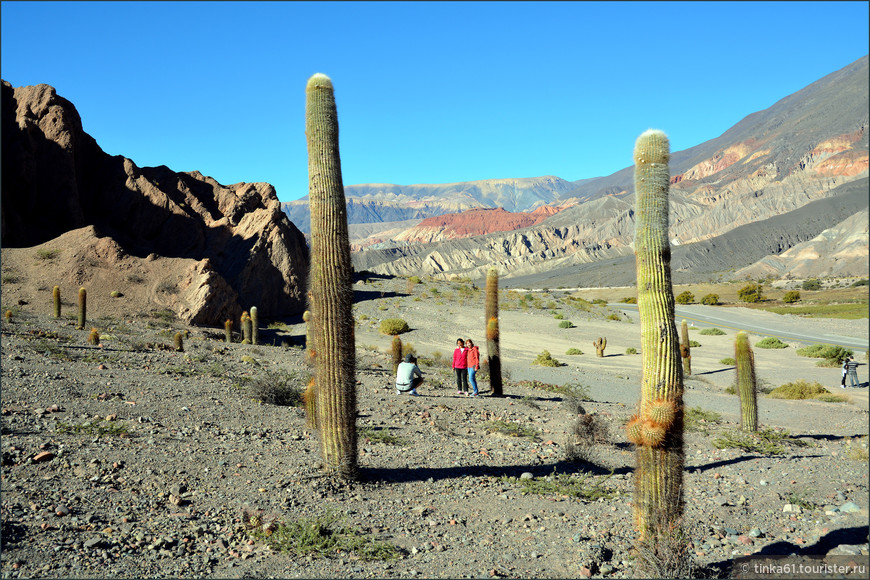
[(408, 376), (852, 369), (473, 360), (460, 367)]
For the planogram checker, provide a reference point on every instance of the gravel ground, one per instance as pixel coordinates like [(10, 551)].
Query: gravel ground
[(194, 449)]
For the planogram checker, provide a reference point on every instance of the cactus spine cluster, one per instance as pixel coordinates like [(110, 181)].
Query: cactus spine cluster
[(657, 430), (600, 345), (178, 341), (83, 308), (309, 340), (94, 337), (255, 326), (331, 279), (493, 348), (746, 385), (685, 349), (397, 352), (55, 294), (228, 330)]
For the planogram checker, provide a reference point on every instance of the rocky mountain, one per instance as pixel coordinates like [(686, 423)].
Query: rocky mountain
[(473, 222), (807, 147), (232, 245)]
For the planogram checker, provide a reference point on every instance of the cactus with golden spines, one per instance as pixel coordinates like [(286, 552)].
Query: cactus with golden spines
[(178, 342), (55, 295), (600, 345), (246, 327), (396, 352), (8, 316), (94, 337), (309, 340), (83, 308), (685, 349), (746, 382), (309, 397), (657, 430), (493, 339), (228, 330), (331, 279), (255, 326)]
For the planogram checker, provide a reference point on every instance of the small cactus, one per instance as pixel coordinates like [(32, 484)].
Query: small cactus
[(83, 308), (8, 316), (178, 340), (600, 345), (685, 349), (94, 337), (55, 294), (228, 329), (255, 326)]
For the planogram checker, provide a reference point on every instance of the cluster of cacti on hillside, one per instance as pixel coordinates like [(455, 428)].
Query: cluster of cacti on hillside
[(493, 347), (657, 429), (330, 279)]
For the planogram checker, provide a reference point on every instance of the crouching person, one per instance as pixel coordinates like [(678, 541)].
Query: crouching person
[(408, 376)]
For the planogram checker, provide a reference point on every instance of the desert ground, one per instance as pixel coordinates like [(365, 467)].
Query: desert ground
[(128, 459)]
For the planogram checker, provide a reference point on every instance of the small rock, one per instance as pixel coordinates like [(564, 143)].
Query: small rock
[(61, 510), (791, 508), (42, 457), (585, 572), (93, 542), (731, 532), (755, 533), (846, 550), (762, 482), (606, 569), (527, 475), (849, 507)]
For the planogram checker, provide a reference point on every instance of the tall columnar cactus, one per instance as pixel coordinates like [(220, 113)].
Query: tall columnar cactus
[(83, 308), (685, 349), (600, 345), (746, 384), (657, 430), (397, 352), (255, 326), (55, 294), (228, 330), (331, 279), (246, 327), (493, 348)]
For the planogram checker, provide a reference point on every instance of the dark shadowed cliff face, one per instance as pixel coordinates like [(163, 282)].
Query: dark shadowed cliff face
[(56, 179)]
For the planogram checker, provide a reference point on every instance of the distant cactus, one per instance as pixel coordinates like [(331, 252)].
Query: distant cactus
[(685, 349), (94, 337), (658, 429), (246, 328), (600, 345), (55, 294), (331, 280), (493, 339), (397, 353), (8, 316), (255, 326), (178, 341), (746, 382), (228, 330), (83, 308)]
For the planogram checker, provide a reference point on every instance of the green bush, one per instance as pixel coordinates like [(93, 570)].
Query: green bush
[(833, 355), (626, 300), (546, 360), (566, 324), (791, 297), (770, 342), (558, 316), (631, 350), (751, 293), (802, 389), (811, 284), (710, 299), (573, 351), (694, 343), (861, 282), (394, 326), (728, 361), (685, 298), (712, 332)]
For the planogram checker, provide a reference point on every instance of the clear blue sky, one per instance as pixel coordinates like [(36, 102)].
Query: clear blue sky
[(427, 92)]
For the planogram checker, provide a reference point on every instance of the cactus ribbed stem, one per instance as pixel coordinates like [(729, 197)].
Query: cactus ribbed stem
[(255, 326), (246, 327), (309, 340), (658, 504), (493, 346), (600, 345), (83, 308), (55, 294), (396, 352), (685, 349), (228, 330), (746, 382), (331, 280)]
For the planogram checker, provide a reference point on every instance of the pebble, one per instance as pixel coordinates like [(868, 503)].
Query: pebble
[(850, 507)]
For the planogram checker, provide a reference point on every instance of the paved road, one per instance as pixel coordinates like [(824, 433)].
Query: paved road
[(755, 322)]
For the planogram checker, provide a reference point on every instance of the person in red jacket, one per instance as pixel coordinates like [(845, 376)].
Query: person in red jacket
[(460, 365), (473, 360)]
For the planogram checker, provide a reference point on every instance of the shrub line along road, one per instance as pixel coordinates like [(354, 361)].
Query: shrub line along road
[(748, 320)]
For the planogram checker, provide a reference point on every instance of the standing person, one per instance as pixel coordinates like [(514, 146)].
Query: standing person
[(473, 360), (852, 368), (460, 366), (408, 376)]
